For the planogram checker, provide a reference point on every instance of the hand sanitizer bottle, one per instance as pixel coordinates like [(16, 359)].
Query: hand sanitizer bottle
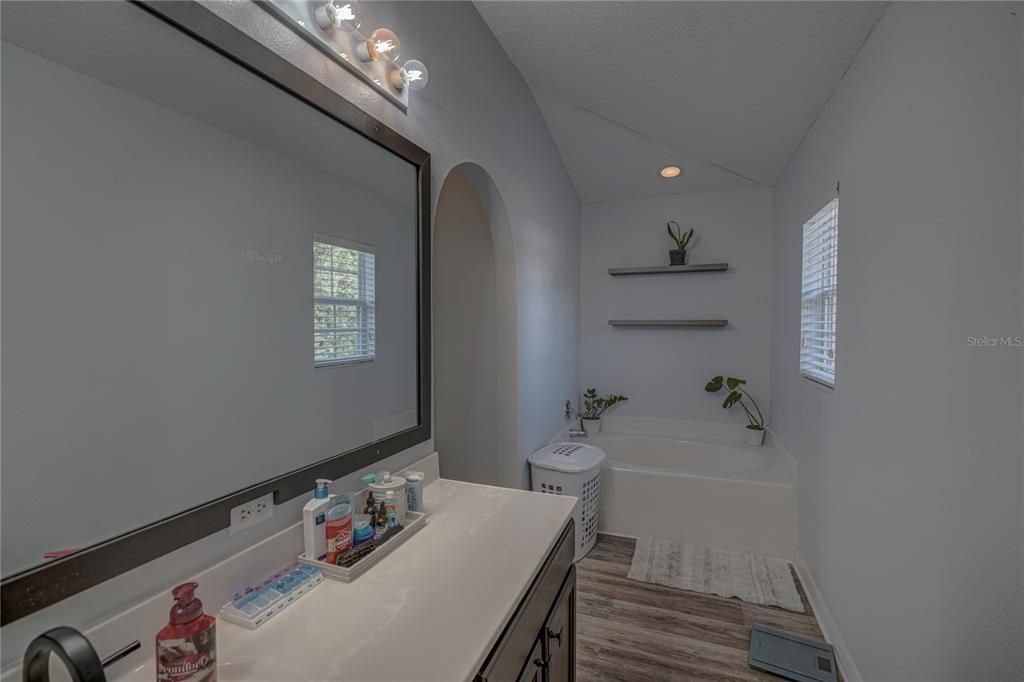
[(314, 521)]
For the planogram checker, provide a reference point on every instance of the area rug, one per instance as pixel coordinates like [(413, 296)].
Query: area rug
[(752, 578)]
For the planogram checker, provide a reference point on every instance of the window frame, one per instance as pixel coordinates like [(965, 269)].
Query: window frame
[(367, 310), (819, 206)]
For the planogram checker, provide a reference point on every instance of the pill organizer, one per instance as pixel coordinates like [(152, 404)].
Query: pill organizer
[(255, 605)]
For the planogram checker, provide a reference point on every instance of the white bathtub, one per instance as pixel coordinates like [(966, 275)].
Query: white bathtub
[(697, 481)]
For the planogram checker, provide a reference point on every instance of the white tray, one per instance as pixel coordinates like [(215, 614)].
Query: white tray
[(413, 522)]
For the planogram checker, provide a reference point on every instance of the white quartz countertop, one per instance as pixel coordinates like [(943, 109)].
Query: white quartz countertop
[(431, 610)]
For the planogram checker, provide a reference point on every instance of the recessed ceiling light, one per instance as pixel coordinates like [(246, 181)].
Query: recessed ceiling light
[(670, 171)]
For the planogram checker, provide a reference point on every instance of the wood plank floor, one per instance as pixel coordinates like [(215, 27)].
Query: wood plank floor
[(631, 631)]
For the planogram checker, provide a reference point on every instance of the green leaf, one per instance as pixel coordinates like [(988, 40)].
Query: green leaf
[(714, 385), (733, 382), (732, 399), (676, 235), (685, 238)]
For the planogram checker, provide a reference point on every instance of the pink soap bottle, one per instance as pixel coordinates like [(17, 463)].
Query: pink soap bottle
[(186, 648)]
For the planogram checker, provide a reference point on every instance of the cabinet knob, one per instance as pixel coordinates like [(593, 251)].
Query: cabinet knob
[(540, 663), (557, 636)]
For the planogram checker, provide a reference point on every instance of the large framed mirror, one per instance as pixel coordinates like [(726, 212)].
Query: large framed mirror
[(215, 287)]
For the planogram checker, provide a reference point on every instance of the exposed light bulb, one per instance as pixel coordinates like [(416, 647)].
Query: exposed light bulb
[(382, 46), (345, 15), (412, 75)]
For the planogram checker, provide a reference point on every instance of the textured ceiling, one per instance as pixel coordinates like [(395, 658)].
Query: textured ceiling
[(724, 89)]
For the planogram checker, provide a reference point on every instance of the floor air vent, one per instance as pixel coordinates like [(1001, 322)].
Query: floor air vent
[(791, 656)]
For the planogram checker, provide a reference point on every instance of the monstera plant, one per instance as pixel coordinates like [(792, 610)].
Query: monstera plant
[(738, 396)]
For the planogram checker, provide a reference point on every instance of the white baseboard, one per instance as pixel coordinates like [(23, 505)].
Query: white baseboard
[(828, 626)]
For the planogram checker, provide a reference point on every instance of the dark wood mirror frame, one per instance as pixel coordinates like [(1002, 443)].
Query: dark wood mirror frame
[(36, 588)]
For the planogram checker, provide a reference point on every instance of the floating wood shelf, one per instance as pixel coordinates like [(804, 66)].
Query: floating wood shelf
[(668, 323), (668, 269)]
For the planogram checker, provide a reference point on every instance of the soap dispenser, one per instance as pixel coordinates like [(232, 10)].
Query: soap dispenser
[(314, 520), (186, 648)]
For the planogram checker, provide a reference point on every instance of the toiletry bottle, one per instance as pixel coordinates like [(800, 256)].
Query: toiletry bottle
[(389, 509), (339, 527), (381, 520), (371, 504), (314, 521), (186, 648), (414, 490)]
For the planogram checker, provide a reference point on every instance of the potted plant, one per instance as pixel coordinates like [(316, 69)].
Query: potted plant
[(677, 256), (594, 406), (737, 396)]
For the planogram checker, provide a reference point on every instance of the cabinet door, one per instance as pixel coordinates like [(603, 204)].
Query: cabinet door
[(509, 655), (534, 670), (560, 634)]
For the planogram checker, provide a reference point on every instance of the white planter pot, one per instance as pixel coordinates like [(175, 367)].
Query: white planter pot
[(755, 437), (591, 426)]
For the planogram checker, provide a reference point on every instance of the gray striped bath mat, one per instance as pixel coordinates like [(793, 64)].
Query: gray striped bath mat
[(752, 578)]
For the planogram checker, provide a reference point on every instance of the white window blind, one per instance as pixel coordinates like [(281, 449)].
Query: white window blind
[(343, 302), (818, 295)]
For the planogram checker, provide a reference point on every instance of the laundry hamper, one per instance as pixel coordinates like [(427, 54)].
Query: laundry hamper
[(572, 469)]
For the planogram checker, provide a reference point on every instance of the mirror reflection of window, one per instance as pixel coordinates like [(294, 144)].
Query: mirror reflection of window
[(343, 302)]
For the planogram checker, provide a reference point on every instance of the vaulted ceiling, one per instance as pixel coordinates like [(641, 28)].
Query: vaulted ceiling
[(724, 89)]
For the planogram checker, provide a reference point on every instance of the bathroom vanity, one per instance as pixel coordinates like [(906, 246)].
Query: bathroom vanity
[(539, 644), (485, 591)]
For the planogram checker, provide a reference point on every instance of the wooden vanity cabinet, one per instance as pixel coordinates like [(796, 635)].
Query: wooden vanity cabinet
[(559, 636), (539, 643), (534, 670)]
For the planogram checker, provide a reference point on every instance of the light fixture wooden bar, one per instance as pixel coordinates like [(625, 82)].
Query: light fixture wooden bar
[(668, 323), (668, 269)]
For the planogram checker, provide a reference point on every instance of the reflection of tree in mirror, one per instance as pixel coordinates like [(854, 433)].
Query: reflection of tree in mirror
[(343, 304)]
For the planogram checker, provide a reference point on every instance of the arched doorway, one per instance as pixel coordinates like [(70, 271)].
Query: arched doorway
[(474, 293)]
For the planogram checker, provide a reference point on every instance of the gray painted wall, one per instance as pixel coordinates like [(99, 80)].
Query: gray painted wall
[(910, 513), (505, 134), (465, 350), (663, 371)]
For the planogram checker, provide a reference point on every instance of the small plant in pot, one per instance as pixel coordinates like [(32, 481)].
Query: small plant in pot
[(737, 396), (594, 406), (677, 256)]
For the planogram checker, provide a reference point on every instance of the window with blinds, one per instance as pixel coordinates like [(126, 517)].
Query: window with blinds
[(343, 302), (818, 296)]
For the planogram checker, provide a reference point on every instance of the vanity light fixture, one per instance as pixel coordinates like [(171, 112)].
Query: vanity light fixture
[(344, 16), (670, 171), (382, 45), (343, 31), (413, 75)]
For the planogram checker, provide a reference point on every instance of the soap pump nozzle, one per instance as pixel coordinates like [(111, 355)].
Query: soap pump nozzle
[(186, 607), (321, 488)]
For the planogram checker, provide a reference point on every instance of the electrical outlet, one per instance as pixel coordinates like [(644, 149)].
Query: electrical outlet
[(250, 513)]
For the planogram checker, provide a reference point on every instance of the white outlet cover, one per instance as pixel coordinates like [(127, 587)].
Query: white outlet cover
[(251, 513)]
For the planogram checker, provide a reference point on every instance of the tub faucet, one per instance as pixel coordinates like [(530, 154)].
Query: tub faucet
[(570, 412)]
